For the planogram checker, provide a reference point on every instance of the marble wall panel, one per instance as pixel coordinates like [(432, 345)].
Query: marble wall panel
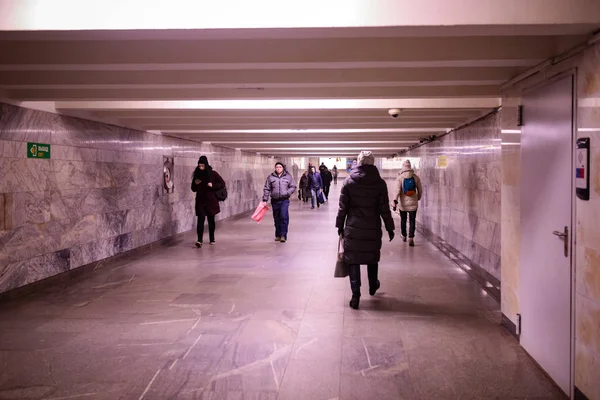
[(24, 175), (461, 203), (69, 153), (23, 125), (101, 192), (21, 243), (30, 208), (13, 149), (3, 225), (34, 269)]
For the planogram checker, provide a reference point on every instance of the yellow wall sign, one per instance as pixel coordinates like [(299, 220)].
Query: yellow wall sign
[(442, 162)]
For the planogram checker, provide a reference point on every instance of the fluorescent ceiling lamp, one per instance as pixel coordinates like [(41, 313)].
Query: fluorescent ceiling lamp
[(317, 142), (380, 130), (588, 130), (515, 131), (322, 148)]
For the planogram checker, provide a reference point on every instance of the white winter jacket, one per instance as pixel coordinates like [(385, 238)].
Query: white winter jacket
[(408, 203)]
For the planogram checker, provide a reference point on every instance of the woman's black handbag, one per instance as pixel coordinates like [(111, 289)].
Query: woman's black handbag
[(221, 194)]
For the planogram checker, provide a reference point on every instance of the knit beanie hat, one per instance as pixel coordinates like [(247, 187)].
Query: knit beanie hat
[(366, 158), (203, 160)]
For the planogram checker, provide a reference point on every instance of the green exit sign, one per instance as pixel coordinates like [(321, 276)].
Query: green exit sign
[(38, 150)]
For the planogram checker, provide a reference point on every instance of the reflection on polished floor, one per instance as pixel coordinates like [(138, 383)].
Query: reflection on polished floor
[(254, 319)]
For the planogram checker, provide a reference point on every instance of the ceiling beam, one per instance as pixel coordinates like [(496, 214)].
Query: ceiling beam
[(254, 77), (268, 114), (270, 52), (253, 93), (282, 104)]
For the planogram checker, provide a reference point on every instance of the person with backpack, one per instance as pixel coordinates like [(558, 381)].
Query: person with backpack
[(205, 183), (279, 187), (409, 192)]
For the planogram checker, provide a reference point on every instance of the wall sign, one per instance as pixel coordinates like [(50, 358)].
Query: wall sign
[(442, 162), (582, 168), (168, 175), (38, 150)]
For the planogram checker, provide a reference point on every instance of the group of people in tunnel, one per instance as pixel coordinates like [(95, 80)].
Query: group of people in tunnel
[(315, 185), (364, 209)]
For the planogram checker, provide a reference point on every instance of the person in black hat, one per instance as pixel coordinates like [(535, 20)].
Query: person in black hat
[(205, 182), (279, 187)]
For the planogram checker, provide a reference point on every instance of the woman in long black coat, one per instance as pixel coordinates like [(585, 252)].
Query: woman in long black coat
[(304, 192), (205, 182), (364, 202)]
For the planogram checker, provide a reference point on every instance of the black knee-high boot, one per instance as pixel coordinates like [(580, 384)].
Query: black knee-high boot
[(354, 275), (372, 271)]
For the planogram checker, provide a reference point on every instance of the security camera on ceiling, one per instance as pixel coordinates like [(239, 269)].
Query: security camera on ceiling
[(394, 112)]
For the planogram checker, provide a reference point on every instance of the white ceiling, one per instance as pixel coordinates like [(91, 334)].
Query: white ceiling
[(294, 88)]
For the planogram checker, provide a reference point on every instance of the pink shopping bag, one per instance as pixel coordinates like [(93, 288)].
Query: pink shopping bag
[(260, 212)]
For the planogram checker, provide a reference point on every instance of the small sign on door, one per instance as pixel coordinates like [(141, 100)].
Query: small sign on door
[(582, 169)]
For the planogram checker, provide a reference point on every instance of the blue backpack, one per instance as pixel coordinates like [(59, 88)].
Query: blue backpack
[(409, 186)]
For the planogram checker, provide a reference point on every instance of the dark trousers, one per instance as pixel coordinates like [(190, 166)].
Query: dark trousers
[(354, 275), (326, 191), (211, 227), (335, 180), (412, 217), (281, 216)]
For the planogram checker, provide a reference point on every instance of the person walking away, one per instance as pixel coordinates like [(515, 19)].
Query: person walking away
[(279, 187), (334, 173), (408, 193), (315, 183), (326, 177), (322, 168), (205, 182), (304, 191), (364, 202)]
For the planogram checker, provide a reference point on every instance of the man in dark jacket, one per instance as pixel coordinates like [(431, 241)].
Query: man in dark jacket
[(326, 177), (279, 187), (364, 202), (315, 183)]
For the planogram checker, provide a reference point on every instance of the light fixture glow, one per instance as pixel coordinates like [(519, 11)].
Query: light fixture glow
[(324, 148), (284, 131)]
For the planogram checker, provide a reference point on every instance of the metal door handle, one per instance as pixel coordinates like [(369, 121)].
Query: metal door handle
[(565, 237)]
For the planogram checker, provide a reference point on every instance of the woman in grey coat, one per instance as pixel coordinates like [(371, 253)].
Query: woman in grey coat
[(364, 202)]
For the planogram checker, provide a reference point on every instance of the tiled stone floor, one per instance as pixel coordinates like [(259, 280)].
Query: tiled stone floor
[(254, 319)]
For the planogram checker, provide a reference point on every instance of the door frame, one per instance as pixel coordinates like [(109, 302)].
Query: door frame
[(571, 72)]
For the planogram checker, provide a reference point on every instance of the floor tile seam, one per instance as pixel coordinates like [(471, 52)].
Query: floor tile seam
[(342, 339), (233, 338), (287, 364)]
